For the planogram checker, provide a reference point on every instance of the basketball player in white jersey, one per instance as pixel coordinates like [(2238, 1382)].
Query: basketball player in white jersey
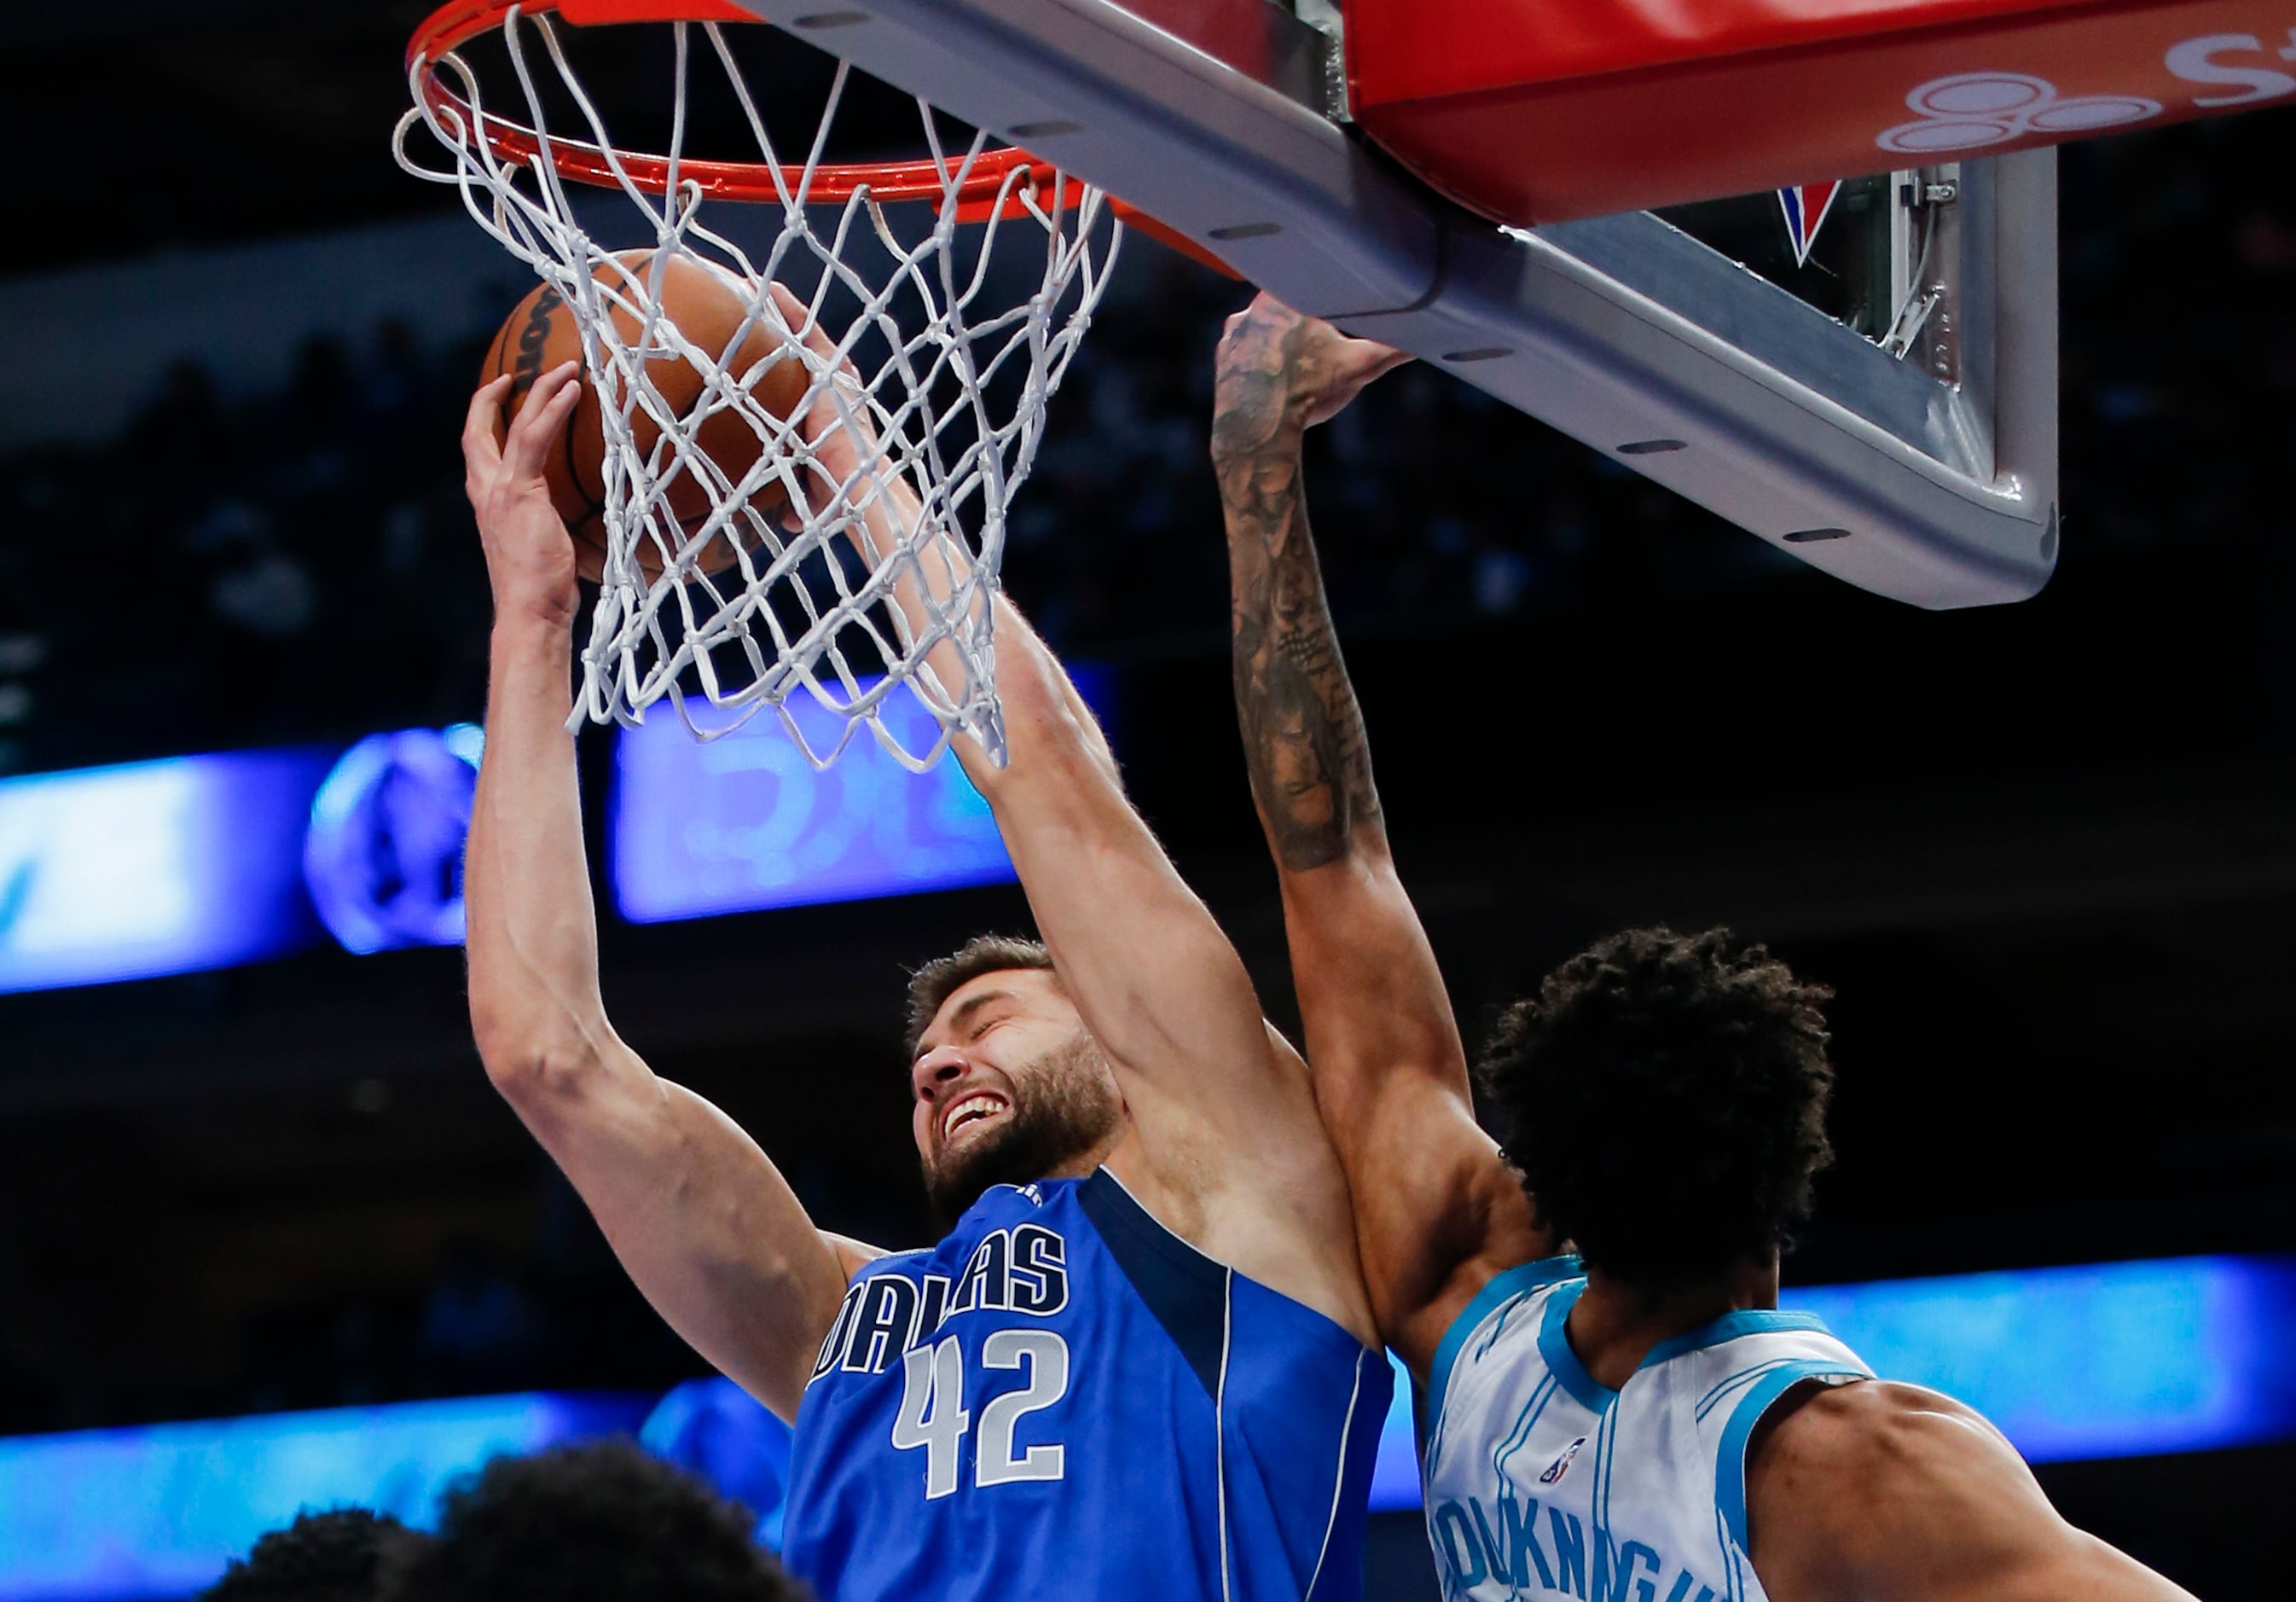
[(1615, 1407)]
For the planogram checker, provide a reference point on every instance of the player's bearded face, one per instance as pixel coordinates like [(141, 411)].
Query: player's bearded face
[(1064, 1105)]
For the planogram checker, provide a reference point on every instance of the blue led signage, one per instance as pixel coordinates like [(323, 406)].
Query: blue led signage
[(2113, 1359), (189, 863), (103, 1515), (743, 823), (154, 868), (384, 856)]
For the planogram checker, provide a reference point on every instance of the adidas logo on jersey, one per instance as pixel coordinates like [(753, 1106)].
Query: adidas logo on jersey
[(1562, 1464)]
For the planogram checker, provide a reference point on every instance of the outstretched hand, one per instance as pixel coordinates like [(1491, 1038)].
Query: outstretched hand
[(529, 554), (1281, 374)]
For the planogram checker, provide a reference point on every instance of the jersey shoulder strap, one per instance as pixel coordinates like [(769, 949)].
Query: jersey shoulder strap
[(1750, 1362), (1487, 1314)]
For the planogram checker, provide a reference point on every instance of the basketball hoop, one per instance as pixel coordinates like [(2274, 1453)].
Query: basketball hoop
[(892, 262)]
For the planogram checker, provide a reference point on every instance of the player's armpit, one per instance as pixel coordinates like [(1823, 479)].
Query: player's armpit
[(1883, 1492), (852, 1255)]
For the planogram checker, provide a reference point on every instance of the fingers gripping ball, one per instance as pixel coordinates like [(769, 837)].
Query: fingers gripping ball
[(707, 307)]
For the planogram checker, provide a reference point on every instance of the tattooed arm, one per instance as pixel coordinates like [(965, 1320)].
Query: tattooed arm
[(1438, 1212)]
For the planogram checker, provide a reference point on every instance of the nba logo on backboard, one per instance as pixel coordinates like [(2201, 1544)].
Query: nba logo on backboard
[(1562, 1465), (1806, 206)]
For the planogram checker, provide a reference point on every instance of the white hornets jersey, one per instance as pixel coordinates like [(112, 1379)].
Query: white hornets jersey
[(1540, 1481)]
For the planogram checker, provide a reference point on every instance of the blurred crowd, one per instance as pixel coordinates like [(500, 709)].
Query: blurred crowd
[(301, 565), (296, 566)]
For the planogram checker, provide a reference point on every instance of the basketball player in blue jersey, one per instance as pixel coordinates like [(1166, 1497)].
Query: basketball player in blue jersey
[(1141, 1366), (1632, 1419)]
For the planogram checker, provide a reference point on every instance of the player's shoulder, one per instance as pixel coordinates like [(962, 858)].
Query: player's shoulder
[(1869, 1427), (1890, 1491), (1827, 1456)]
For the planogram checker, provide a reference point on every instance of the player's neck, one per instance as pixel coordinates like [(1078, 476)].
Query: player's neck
[(1613, 1326), (1113, 1151)]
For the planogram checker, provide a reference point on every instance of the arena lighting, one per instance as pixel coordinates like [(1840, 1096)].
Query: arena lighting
[(198, 862), (743, 823), (154, 868), (2114, 1360), (384, 856), (103, 1515), (2107, 1360)]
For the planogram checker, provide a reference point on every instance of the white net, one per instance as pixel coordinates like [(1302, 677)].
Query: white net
[(732, 585)]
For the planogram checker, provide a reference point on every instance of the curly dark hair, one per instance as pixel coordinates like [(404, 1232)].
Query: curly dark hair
[(1664, 1097), (339, 1555), (942, 977), (598, 1522)]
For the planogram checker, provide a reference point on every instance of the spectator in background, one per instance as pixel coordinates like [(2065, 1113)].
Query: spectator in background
[(342, 1555), (601, 1521)]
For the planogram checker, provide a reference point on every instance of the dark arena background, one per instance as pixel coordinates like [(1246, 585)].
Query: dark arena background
[(258, 1203)]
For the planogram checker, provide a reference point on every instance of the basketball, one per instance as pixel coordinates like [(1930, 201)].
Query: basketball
[(707, 307)]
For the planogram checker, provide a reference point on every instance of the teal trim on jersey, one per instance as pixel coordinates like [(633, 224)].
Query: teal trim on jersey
[(1554, 1348), (1730, 1457), (1727, 1390), (1504, 1286), (1729, 1326)]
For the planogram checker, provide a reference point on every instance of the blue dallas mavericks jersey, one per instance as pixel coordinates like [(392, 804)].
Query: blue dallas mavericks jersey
[(1065, 1400), (1542, 1482)]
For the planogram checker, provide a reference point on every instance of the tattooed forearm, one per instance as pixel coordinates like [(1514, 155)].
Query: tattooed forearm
[(1303, 734)]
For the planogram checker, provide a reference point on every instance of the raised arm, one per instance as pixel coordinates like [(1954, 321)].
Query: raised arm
[(1437, 1212), (1226, 1121), (707, 1227)]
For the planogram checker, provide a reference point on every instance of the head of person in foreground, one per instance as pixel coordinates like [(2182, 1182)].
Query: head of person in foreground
[(1007, 1086), (1664, 1097), (341, 1555), (599, 1522)]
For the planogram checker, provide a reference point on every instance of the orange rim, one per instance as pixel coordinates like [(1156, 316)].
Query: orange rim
[(459, 21), (454, 25)]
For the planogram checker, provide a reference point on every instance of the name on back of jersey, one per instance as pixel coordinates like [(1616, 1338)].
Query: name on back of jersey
[(1505, 1546)]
